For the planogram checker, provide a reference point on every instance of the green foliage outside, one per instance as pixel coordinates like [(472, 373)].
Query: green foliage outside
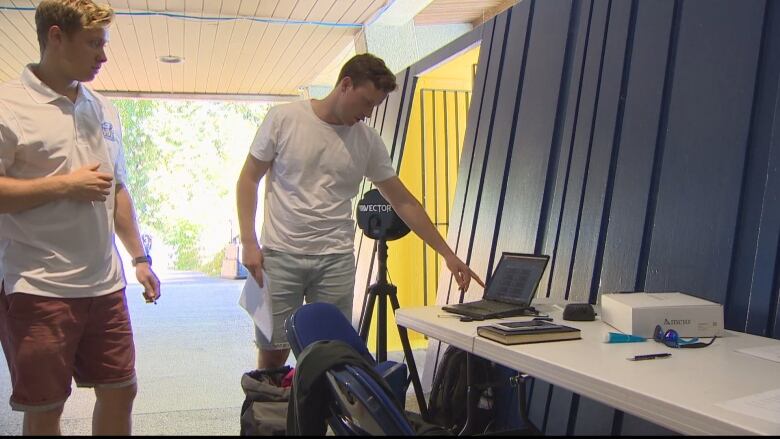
[(213, 267), (183, 160)]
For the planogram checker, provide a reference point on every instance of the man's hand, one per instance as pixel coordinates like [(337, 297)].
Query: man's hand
[(462, 272), (252, 258), (88, 184), (147, 278)]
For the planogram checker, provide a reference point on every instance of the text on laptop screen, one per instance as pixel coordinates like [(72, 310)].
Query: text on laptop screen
[(516, 278)]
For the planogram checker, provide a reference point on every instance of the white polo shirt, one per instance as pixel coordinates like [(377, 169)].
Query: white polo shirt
[(316, 172), (64, 248)]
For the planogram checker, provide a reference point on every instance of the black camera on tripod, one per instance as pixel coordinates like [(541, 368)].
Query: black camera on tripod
[(377, 219)]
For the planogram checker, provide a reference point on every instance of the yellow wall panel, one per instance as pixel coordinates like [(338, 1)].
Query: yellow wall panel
[(429, 169)]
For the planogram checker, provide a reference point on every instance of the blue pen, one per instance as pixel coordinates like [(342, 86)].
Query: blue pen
[(649, 357)]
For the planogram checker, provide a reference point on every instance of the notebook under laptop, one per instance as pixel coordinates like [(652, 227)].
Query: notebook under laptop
[(509, 291)]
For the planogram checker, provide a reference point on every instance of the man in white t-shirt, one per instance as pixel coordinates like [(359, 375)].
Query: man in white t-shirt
[(63, 311), (314, 154)]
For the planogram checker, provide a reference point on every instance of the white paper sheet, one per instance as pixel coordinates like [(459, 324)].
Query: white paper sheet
[(771, 353), (257, 303), (761, 405)]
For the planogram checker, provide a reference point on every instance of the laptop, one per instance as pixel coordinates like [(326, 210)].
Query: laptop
[(509, 291)]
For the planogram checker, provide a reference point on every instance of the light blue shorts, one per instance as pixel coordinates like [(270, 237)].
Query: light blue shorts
[(316, 278)]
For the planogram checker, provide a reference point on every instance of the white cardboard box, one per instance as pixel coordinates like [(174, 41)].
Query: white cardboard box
[(639, 313)]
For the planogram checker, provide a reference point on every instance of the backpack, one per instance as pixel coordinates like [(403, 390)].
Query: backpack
[(448, 400), (264, 411)]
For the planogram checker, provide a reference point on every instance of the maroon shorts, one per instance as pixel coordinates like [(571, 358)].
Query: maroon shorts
[(50, 341)]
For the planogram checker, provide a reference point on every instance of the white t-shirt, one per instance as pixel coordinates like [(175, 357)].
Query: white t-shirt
[(316, 172), (64, 248)]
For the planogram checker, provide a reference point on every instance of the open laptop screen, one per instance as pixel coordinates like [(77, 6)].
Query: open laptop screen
[(516, 278)]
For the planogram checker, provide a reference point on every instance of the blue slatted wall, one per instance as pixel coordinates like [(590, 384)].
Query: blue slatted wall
[(637, 143)]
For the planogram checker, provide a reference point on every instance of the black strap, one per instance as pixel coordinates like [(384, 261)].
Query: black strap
[(698, 345)]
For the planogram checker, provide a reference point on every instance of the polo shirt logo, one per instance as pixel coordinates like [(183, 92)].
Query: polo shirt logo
[(108, 131)]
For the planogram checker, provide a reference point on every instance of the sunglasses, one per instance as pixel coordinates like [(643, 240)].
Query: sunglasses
[(673, 340)]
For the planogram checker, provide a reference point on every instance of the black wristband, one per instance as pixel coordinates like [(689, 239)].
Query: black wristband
[(142, 259)]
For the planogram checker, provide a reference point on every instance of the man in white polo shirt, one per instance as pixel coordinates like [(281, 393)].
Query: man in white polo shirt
[(63, 312), (314, 154)]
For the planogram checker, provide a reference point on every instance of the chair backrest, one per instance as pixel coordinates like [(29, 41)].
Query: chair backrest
[(322, 321), (362, 407)]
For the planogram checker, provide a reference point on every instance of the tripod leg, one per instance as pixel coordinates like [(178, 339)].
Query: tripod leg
[(365, 325), (377, 292), (418, 391), (381, 329)]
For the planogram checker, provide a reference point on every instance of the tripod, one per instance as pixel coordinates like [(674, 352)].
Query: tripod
[(383, 291)]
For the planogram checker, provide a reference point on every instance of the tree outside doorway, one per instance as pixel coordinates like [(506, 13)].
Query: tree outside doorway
[(183, 160)]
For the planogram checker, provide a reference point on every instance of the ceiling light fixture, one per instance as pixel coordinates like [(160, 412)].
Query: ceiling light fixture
[(170, 59)]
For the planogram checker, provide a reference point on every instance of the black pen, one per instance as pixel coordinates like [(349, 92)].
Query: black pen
[(649, 357)]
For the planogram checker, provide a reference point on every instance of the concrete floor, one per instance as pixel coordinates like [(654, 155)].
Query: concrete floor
[(191, 350)]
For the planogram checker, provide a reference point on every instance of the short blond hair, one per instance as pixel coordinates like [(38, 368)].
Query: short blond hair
[(71, 16)]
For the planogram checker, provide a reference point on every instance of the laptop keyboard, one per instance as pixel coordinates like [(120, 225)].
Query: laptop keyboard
[(489, 305)]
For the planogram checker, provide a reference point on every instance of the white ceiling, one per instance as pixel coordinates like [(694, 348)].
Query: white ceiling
[(462, 11), (274, 48), (232, 47)]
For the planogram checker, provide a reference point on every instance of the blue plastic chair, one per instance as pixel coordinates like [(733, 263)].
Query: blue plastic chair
[(323, 321), (362, 408)]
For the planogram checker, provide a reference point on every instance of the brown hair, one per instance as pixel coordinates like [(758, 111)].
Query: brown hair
[(367, 67), (71, 16)]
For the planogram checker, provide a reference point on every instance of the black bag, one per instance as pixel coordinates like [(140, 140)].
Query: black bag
[(264, 412), (448, 399)]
